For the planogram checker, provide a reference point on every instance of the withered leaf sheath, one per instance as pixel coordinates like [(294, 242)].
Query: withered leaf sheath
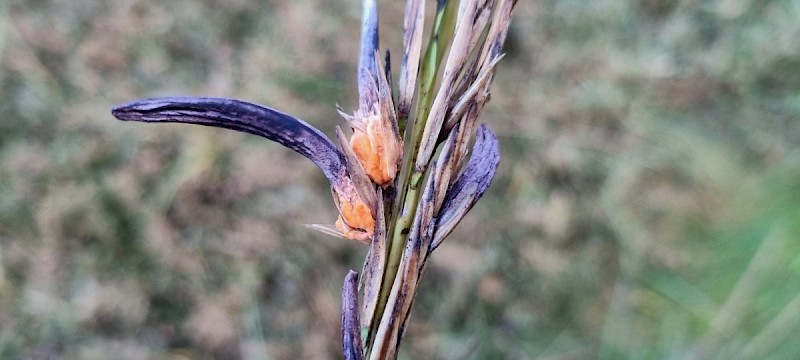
[(351, 334)]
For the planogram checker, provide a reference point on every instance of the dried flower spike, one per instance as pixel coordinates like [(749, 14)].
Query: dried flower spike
[(402, 218)]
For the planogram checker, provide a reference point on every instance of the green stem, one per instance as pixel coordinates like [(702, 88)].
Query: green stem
[(409, 183)]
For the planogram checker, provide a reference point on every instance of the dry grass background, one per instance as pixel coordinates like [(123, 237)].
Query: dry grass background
[(646, 205)]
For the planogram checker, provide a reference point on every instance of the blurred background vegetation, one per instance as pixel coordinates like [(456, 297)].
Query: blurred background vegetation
[(646, 204)]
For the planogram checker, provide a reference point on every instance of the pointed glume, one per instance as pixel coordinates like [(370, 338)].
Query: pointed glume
[(351, 334), (367, 62), (471, 184)]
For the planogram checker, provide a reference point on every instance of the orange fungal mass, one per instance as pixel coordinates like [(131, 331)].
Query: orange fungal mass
[(355, 220), (377, 151)]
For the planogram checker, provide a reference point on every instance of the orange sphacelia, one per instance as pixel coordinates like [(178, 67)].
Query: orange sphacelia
[(377, 148), (355, 218)]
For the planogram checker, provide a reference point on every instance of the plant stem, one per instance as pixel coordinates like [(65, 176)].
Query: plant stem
[(410, 180)]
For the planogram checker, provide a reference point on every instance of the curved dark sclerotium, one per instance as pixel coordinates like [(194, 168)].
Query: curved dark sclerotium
[(245, 117)]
